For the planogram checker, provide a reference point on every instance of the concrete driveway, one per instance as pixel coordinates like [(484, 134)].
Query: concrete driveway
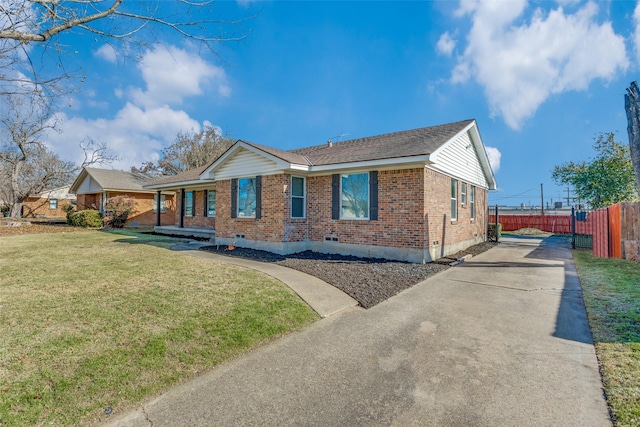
[(501, 340)]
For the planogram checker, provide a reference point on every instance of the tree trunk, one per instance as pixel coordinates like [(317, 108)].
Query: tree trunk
[(632, 107)]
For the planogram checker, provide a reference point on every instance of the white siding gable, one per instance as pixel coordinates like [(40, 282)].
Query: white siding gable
[(459, 159), (89, 185), (245, 163)]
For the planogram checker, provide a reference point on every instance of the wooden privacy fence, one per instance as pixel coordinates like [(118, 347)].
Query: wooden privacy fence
[(614, 231), (560, 224)]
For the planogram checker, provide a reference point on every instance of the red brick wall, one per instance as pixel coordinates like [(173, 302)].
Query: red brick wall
[(441, 229), (38, 207), (268, 228), (198, 219), (143, 215), (407, 217), (400, 208)]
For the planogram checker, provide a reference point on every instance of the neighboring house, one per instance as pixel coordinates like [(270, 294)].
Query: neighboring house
[(415, 195), (49, 204), (94, 187)]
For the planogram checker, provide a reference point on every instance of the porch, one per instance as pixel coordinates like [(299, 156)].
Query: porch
[(174, 230)]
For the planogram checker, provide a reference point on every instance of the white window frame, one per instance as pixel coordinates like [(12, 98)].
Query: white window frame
[(463, 193), (209, 214), (454, 199), (342, 197), (53, 202), (238, 215), (472, 201), (303, 197)]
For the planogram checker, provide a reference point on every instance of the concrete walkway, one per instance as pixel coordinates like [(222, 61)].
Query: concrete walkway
[(325, 299), (501, 340)]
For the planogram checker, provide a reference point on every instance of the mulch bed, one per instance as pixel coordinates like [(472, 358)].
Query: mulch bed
[(368, 280)]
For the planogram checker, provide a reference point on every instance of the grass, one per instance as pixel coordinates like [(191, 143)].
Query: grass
[(91, 320), (611, 289)]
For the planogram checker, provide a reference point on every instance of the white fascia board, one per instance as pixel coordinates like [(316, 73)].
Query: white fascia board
[(178, 185), (395, 163)]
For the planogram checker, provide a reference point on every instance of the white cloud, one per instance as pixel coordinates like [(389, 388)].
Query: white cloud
[(148, 121), (172, 74), (494, 156), (107, 52), (446, 44), (520, 62), (636, 35), (135, 135)]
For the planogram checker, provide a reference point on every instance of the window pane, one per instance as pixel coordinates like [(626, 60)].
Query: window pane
[(188, 204), (297, 186), (472, 201), (211, 203), (246, 197), (463, 193), (355, 196), (297, 207), (454, 199)]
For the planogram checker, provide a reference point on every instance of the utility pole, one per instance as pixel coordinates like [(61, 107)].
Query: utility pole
[(542, 198), (568, 197)]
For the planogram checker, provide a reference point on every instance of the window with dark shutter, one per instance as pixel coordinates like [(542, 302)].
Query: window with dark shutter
[(373, 195), (258, 196), (234, 198), (335, 196), (205, 198)]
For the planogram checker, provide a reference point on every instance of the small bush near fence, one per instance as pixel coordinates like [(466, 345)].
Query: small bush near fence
[(86, 218), (492, 231)]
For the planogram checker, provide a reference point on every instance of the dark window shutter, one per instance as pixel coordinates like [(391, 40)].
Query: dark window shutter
[(335, 196), (373, 195), (258, 196), (234, 198), (205, 210)]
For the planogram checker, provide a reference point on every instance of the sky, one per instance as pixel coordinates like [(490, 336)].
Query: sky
[(541, 78)]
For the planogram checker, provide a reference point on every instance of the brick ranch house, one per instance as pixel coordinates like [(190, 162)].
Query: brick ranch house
[(414, 195), (94, 186), (49, 203)]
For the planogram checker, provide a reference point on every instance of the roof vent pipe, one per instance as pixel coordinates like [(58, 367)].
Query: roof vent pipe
[(329, 143)]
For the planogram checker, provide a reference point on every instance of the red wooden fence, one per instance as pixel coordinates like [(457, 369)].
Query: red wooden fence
[(560, 224), (615, 230)]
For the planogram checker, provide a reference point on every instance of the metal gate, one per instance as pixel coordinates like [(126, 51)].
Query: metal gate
[(581, 229)]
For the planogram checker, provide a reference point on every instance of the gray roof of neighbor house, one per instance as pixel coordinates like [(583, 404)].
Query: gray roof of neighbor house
[(109, 179), (406, 143)]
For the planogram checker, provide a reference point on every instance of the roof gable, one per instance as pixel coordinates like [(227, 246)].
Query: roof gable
[(91, 180)]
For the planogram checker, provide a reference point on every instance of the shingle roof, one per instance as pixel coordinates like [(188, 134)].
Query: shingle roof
[(119, 180), (186, 176), (407, 143), (289, 156)]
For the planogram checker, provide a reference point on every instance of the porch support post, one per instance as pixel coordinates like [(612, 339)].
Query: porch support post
[(182, 208), (158, 208)]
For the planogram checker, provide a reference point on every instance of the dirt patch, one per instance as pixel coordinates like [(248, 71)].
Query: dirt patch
[(368, 280), (14, 227)]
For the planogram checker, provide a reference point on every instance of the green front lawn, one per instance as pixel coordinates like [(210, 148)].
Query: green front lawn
[(95, 320), (611, 289)]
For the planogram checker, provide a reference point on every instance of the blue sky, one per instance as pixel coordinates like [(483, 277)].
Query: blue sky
[(541, 78)]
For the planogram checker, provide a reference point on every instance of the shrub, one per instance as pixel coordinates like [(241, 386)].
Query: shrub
[(86, 218), (492, 231), (118, 209)]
